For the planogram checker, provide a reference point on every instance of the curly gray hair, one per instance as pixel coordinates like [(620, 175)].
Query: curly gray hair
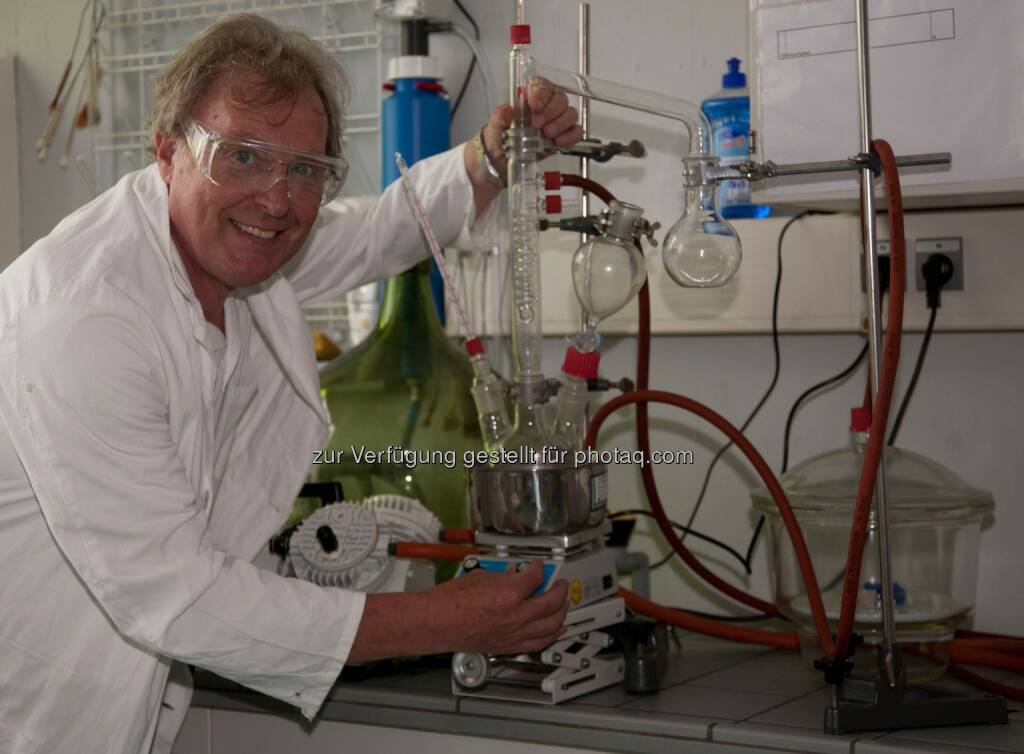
[(244, 47)]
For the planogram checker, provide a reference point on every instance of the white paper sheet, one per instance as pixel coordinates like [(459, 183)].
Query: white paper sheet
[(946, 76)]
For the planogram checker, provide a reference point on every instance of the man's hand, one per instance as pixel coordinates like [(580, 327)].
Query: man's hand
[(550, 113), (494, 612), (479, 612)]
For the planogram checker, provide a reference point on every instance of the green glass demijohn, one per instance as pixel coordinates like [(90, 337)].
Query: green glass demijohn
[(405, 386)]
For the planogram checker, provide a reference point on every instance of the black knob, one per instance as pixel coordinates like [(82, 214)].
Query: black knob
[(327, 539)]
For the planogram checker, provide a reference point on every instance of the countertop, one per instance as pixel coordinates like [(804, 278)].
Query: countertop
[(716, 697)]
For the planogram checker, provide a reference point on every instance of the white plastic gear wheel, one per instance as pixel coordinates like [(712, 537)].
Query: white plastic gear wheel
[(364, 530), (356, 563), (404, 518)]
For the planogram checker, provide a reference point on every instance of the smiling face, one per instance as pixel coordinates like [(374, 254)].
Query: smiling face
[(229, 239)]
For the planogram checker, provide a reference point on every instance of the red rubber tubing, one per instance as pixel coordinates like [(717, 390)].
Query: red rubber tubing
[(1006, 645), (763, 470), (981, 682), (586, 184), (458, 536), (643, 436), (650, 485), (431, 551), (708, 626), (988, 658), (883, 400)]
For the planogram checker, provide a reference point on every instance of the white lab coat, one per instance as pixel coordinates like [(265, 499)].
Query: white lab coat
[(145, 460)]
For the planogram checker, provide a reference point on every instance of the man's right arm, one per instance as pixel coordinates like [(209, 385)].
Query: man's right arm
[(87, 403), (478, 612)]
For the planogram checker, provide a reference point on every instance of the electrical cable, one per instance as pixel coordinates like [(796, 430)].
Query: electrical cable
[(898, 421), (808, 393), (472, 63), (767, 393), (686, 530)]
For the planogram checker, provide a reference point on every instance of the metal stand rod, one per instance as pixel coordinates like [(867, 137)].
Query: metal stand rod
[(583, 67), (891, 659), (757, 171)]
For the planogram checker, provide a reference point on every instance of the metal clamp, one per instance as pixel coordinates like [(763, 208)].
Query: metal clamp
[(598, 151), (626, 222), (530, 392), (701, 170)]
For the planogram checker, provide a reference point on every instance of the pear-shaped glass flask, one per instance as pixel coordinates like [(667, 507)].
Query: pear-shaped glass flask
[(608, 270), (701, 250), (400, 407)]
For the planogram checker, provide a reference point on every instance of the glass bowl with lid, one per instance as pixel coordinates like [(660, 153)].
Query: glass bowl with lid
[(935, 521)]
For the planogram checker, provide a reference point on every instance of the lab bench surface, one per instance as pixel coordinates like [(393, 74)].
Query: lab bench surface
[(715, 697)]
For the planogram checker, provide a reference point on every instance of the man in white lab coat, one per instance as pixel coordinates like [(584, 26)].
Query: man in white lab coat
[(159, 409)]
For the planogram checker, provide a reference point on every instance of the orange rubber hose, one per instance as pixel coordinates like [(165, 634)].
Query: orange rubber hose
[(708, 626), (431, 551), (763, 470), (883, 399), (643, 437)]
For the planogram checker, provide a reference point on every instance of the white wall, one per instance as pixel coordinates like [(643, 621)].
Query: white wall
[(10, 209), (41, 33), (967, 412), (10, 195)]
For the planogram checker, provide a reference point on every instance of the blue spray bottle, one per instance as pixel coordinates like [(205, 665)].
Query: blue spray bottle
[(728, 111)]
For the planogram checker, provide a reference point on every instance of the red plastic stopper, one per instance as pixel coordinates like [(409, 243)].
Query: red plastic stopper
[(429, 86), (860, 419), (520, 34), (474, 346), (553, 204), (552, 180), (582, 365)]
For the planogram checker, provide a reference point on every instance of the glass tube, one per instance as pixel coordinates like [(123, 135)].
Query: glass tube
[(644, 100), (523, 221)]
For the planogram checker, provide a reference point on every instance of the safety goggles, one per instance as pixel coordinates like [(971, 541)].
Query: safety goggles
[(251, 166)]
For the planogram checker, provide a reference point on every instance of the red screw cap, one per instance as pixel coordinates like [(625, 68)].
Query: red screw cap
[(552, 180), (582, 365), (860, 419), (553, 204), (520, 34), (474, 346)]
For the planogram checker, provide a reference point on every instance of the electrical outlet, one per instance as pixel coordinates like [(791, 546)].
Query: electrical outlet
[(882, 245), (952, 247)]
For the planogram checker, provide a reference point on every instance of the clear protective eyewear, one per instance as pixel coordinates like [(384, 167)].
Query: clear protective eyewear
[(250, 166)]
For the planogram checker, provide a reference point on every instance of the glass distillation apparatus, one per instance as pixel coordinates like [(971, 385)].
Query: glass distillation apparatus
[(526, 507), (541, 495)]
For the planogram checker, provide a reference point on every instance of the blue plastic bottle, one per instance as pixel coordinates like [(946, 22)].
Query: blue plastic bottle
[(415, 122), (728, 110)]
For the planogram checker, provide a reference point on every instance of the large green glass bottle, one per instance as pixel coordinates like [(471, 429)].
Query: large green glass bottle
[(405, 386)]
